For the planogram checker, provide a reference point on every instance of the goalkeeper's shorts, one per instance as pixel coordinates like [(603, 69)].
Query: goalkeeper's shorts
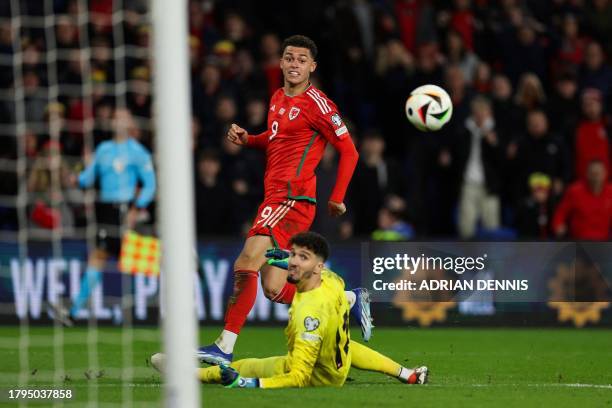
[(282, 219)]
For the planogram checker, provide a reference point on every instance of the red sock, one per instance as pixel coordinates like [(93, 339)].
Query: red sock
[(286, 294), (242, 300)]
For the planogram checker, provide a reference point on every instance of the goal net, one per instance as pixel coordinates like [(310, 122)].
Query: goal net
[(65, 65)]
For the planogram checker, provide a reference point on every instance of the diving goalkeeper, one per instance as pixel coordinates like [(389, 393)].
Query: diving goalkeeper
[(320, 350)]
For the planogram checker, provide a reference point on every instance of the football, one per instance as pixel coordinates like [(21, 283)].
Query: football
[(429, 108)]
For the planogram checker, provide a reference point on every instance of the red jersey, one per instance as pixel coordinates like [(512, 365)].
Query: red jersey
[(591, 144), (587, 215), (299, 128)]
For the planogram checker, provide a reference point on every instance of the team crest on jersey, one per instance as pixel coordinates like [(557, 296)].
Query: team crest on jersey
[(293, 113), (336, 119), (311, 323)]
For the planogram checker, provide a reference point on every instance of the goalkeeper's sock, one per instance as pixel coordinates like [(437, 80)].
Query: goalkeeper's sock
[(89, 282), (351, 297), (286, 294), (242, 300), (404, 374)]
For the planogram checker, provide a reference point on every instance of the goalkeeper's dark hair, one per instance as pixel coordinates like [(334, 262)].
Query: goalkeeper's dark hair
[(301, 41), (312, 241)]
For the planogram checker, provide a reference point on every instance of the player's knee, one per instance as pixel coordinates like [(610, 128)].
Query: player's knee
[(246, 260), (271, 291)]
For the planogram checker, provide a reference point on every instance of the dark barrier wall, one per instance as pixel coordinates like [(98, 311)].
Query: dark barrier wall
[(29, 285)]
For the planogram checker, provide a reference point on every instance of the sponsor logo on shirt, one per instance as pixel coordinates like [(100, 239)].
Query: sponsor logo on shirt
[(281, 111)]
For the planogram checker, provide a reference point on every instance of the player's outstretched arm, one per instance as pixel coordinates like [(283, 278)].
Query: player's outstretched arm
[(346, 167), (241, 137), (237, 135)]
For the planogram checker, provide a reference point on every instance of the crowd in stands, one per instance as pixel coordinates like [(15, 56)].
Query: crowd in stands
[(525, 156)]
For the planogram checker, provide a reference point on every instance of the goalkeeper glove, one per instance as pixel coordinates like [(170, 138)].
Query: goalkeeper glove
[(278, 257), (232, 379)]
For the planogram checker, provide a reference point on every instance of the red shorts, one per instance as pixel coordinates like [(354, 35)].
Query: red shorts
[(282, 219)]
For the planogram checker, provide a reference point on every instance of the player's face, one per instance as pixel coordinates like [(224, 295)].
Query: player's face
[(297, 64), (124, 122), (303, 264)]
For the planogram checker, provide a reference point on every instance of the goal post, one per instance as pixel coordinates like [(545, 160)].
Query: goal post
[(176, 220)]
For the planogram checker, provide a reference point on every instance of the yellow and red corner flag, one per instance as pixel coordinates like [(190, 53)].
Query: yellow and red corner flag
[(139, 254)]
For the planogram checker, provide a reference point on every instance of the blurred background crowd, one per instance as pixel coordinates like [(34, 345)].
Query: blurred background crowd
[(525, 156)]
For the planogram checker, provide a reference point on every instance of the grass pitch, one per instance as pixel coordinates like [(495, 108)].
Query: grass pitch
[(469, 367)]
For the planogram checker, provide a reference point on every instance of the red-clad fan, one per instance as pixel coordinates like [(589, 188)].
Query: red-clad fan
[(301, 121), (585, 212)]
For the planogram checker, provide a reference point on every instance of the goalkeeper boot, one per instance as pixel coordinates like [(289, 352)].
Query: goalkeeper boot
[(361, 312), (214, 355), (418, 376), (158, 361)]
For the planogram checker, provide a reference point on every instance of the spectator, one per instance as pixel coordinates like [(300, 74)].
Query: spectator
[(207, 90), (461, 95), (571, 47), (539, 151), (595, 73), (507, 114), (242, 172), (48, 179), (460, 55), (256, 116), (591, 135), (585, 212), (101, 60), (226, 113), (598, 21), (35, 98), (529, 95), (533, 216), (212, 210), (525, 52), (391, 223), (248, 77), (563, 108), (72, 72), (477, 158), (413, 18), (270, 57), (482, 78), (375, 178), (66, 33), (394, 68)]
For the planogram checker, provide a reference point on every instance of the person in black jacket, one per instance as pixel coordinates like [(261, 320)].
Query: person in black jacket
[(476, 159)]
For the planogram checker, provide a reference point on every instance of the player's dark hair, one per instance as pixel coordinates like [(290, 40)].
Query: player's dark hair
[(301, 41), (312, 241)]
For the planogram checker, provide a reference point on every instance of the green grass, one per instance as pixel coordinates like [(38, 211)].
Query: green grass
[(469, 367)]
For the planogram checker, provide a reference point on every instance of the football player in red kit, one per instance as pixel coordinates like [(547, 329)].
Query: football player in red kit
[(301, 121)]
